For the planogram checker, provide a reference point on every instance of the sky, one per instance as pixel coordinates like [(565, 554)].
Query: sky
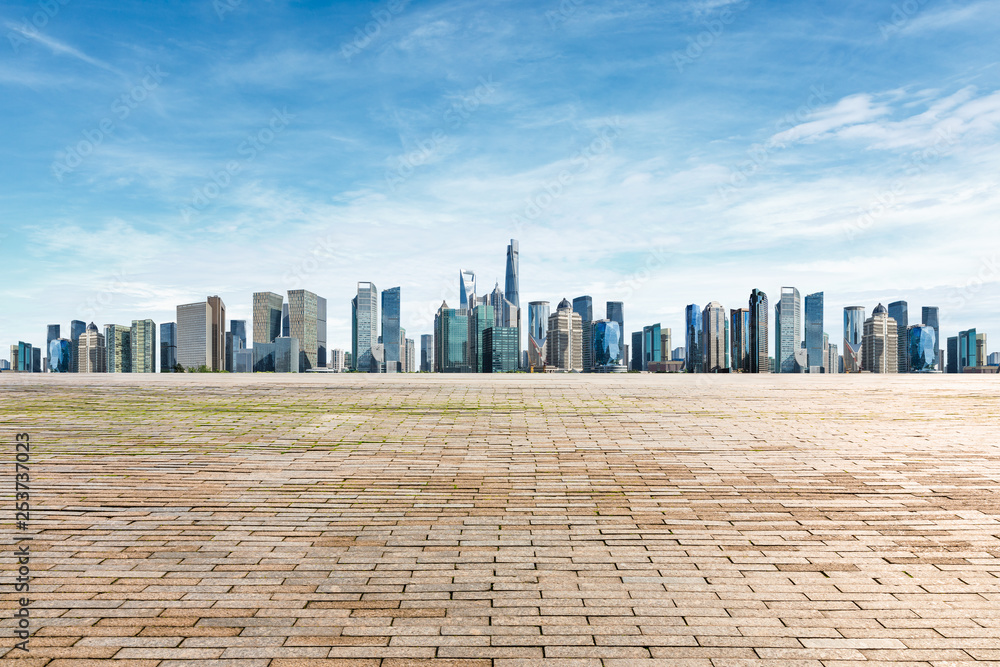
[(657, 153)]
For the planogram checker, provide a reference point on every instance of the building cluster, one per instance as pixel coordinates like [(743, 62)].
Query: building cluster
[(484, 335)]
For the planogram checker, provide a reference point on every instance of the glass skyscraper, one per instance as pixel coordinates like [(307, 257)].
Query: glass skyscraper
[(60, 355), (788, 329), (392, 343), (364, 326), (76, 329), (608, 351), (538, 327), (584, 307), (512, 291), (636, 354), (143, 341), (694, 330), (814, 332), (426, 353), (168, 347), (500, 354), (267, 309), (967, 350), (899, 311), (322, 358), (451, 340), (481, 318), (739, 340), (929, 317), (760, 361), (467, 290), (923, 348), (615, 311), (953, 354), (715, 338), (118, 338), (854, 335), (652, 345)]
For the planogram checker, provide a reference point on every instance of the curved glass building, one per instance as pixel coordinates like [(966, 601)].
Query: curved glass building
[(922, 349), (538, 327), (608, 351)]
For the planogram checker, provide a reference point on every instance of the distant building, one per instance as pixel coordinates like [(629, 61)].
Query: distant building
[(267, 310), (287, 355), (143, 340), (993, 359), (286, 321), (652, 345), (678, 354), (91, 351), (481, 318), (760, 362), (451, 340), (52, 334), (303, 325), (929, 316), (739, 340), (981, 352), (264, 357), (788, 329), (364, 326), (36, 359), (243, 361), (322, 355), (338, 361), (168, 347), (201, 339), (538, 326), (815, 337), (953, 354), (393, 343), (854, 332), (564, 339), (715, 339), (608, 352), (693, 343), (512, 291), (923, 347), (967, 350), (584, 307), (466, 290), (427, 353), (76, 329), (899, 311), (118, 338), (411, 356), (236, 340), (880, 343), (60, 355), (499, 350), (637, 355), (833, 363)]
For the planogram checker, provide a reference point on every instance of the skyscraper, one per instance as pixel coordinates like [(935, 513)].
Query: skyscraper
[(967, 349), (143, 340), (564, 340), (76, 329), (929, 317), (411, 356), (364, 326), (426, 353), (512, 290), (815, 350), (467, 289), (118, 338), (584, 307), (286, 323), (636, 353), (880, 344), (953, 354), (898, 310), (481, 318), (217, 344), (168, 347), (615, 311), (609, 352), (236, 340), (322, 360), (538, 325), (788, 329), (303, 311), (52, 334), (499, 350), (923, 347), (760, 362), (392, 342), (854, 332), (714, 338), (267, 308), (91, 356), (652, 345), (694, 330), (287, 354), (739, 340), (451, 340), (60, 355), (201, 333)]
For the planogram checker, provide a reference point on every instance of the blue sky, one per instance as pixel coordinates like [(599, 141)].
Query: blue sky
[(657, 153)]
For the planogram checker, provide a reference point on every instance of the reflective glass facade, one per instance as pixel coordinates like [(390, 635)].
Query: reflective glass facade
[(899, 311), (814, 331), (693, 339), (715, 338), (267, 308), (451, 341), (426, 353), (287, 355), (168, 347), (60, 355), (854, 333), (364, 326), (615, 311), (923, 347), (739, 340), (953, 354), (392, 342), (584, 307), (759, 359), (967, 350), (538, 326), (788, 329), (467, 290), (635, 363), (652, 350), (608, 351), (500, 351), (481, 319), (929, 317), (263, 357)]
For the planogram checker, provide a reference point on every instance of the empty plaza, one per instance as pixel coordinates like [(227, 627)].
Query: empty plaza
[(509, 520)]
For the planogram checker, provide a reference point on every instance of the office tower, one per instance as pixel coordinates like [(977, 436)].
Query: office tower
[(666, 341), (584, 307), (53, 334), (739, 340), (322, 355), (635, 362), (993, 359), (242, 360), (953, 354), (236, 340), (815, 346), (143, 340), (24, 357), (714, 338), (678, 354), (392, 342), (168, 347), (499, 350), (217, 313), (14, 353), (239, 330), (426, 353), (267, 310), (923, 346), (264, 357), (854, 331), (538, 324), (967, 350), (694, 330), (286, 323), (880, 343), (36, 359), (832, 360), (338, 360), (481, 318), (608, 352), (60, 355), (287, 354), (899, 311), (451, 340), (788, 329), (760, 362), (615, 311), (564, 340), (303, 311), (76, 329), (929, 317), (118, 338), (91, 351), (980, 350), (512, 290), (466, 290), (652, 345), (201, 339), (364, 326), (411, 356)]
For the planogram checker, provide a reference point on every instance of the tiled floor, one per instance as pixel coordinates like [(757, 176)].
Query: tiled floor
[(511, 520)]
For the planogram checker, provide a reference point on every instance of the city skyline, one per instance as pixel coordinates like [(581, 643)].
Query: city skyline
[(832, 177)]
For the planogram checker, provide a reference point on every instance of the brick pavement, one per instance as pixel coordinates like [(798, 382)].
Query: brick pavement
[(508, 521)]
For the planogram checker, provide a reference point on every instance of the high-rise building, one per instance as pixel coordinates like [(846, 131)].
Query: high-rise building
[(451, 340), (91, 351), (76, 329), (52, 334), (608, 352), (393, 343), (364, 326), (760, 361), (217, 312), (499, 350), (60, 355), (637, 356), (739, 340), (303, 311), (267, 309), (564, 340), (993, 359), (338, 360), (832, 363), (953, 354), (693, 344), (652, 345), (14, 361), (411, 356), (512, 291), (967, 350), (118, 338), (481, 318), (788, 329), (426, 353), (286, 321), (201, 330), (36, 359), (899, 311), (467, 290), (929, 316), (236, 340), (981, 352), (538, 325), (923, 348), (854, 332), (880, 345), (243, 360), (715, 339), (322, 356), (584, 307), (815, 347), (615, 311), (143, 339), (168, 347), (264, 357), (287, 355)]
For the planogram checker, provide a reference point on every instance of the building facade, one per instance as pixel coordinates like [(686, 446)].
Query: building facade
[(143, 340), (880, 343), (512, 291), (364, 326), (427, 353), (118, 338), (168, 347), (584, 307), (91, 351), (466, 290), (922, 349), (715, 339), (854, 333), (267, 308), (788, 329), (739, 340), (194, 335), (564, 340), (500, 350), (451, 340), (815, 337), (760, 361), (303, 321), (899, 311), (538, 326), (393, 343), (652, 345), (929, 316), (694, 330), (608, 349)]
